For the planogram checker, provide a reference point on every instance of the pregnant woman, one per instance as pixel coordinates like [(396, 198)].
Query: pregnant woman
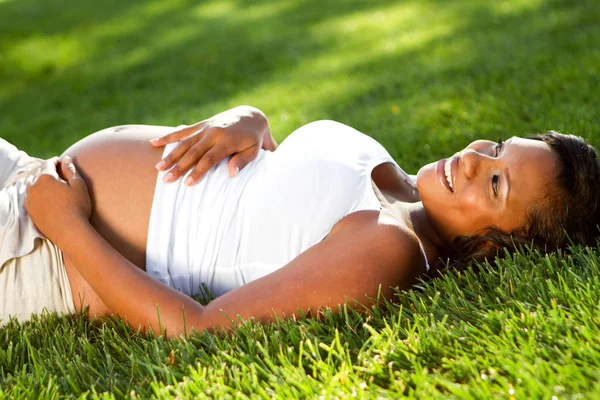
[(327, 218)]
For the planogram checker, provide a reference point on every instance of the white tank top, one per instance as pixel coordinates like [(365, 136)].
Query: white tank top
[(225, 232)]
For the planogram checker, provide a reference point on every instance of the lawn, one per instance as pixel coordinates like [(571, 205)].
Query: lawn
[(424, 77)]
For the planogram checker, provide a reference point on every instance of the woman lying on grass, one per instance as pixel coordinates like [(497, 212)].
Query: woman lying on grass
[(327, 218)]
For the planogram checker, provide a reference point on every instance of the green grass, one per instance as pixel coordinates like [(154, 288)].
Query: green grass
[(424, 78)]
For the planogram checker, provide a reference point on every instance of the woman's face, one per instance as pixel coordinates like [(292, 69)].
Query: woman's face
[(486, 184)]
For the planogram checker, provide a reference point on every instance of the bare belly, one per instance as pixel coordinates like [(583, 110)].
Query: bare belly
[(118, 166)]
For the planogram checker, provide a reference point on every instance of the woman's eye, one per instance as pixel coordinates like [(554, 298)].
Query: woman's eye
[(495, 180), (498, 146)]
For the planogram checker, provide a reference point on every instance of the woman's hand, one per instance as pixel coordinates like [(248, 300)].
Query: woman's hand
[(239, 132), (55, 205)]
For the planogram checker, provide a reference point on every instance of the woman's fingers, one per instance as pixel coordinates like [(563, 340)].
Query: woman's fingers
[(182, 131), (68, 169), (241, 159), (71, 174), (179, 151), (70, 201), (269, 143), (186, 158), (212, 157), (76, 182)]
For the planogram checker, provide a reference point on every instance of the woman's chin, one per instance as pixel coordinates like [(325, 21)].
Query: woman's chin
[(420, 174), (425, 177)]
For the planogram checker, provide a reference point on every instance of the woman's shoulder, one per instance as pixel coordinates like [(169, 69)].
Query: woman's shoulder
[(383, 236)]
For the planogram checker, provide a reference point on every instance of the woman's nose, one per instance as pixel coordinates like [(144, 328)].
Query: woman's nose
[(472, 162)]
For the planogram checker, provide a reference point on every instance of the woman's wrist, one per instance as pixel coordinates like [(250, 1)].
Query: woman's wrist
[(68, 236)]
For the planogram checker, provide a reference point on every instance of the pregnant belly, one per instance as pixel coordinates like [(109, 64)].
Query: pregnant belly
[(118, 166)]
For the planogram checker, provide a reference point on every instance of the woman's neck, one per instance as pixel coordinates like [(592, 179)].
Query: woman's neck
[(416, 215), (397, 192), (416, 218)]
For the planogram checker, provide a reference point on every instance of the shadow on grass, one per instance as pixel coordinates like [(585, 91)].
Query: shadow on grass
[(173, 57), (167, 63), (491, 75)]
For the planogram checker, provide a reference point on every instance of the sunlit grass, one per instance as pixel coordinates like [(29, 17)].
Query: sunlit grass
[(424, 78)]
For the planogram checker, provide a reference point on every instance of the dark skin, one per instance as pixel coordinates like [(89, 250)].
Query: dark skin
[(377, 252), (239, 133), (121, 205), (373, 250)]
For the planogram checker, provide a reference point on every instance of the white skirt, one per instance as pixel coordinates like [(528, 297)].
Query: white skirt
[(32, 272)]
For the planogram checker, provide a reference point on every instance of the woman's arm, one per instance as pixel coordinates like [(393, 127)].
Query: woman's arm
[(358, 258), (239, 132)]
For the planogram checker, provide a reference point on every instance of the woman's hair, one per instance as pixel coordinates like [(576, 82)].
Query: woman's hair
[(569, 213)]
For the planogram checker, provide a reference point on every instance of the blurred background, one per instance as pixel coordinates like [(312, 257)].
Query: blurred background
[(424, 77)]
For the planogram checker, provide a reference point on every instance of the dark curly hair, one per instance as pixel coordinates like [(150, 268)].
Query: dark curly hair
[(568, 214)]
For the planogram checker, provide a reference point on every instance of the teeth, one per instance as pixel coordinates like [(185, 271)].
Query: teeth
[(448, 173)]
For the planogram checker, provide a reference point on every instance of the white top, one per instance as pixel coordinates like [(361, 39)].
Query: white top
[(225, 232)]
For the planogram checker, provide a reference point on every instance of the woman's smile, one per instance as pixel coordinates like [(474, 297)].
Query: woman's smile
[(478, 179), (444, 175), (448, 173)]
